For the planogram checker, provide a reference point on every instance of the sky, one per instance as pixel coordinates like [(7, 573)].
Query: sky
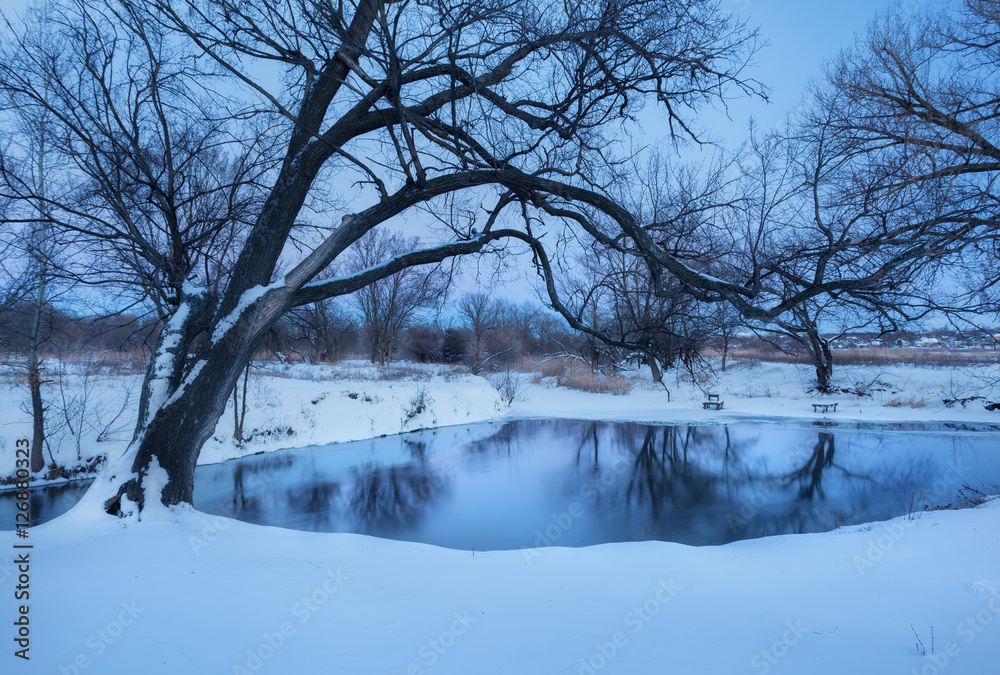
[(799, 36)]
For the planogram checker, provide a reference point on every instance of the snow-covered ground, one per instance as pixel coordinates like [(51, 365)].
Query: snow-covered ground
[(189, 593), (184, 592), (884, 394), (288, 406)]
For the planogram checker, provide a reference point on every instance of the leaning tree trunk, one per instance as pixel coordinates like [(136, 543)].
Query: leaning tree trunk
[(180, 409)]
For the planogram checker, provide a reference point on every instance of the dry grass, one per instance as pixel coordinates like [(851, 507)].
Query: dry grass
[(84, 363), (114, 362), (555, 367), (585, 380), (573, 374), (908, 403)]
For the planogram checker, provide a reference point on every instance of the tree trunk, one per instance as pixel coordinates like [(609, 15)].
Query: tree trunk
[(166, 365), (37, 408), (40, 253), (654, 368), (34, 367), (822, 358), (822, 376), (240, 406), (179, 428)]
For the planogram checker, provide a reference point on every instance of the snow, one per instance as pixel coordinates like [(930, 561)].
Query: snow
[(185, 382), (249, 297), (163, 365), (324, 404), (288, 406), (185, 592), (287, 410), (894, 394)]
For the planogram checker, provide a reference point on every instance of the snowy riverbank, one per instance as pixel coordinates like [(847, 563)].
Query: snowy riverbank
[(184, 592), (886, 394), (187, 593)]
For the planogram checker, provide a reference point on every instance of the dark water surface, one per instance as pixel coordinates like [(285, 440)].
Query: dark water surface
[(530, 483), (44, 503)]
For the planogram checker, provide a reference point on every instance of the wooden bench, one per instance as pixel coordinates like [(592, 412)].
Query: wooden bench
[(826, 407), (713, 402)]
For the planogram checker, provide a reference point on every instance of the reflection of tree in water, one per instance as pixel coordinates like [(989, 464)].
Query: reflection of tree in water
[(615, 435), (261, 488), (691, 483), (393, 498), (252, 479), (376, 496), (706, 484), (417, 449), (508, 438), (809, 476), (662, 471)]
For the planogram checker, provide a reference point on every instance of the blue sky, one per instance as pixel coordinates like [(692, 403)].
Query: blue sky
[(801, 36)]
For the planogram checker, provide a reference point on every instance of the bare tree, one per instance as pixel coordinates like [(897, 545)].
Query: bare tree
[(13, 281), (918, 97), (40, 248), (506, 101), (153, 198), (324, 328), (885, 185), (320, 331), (482, 315), (26, 162), (387, 305), (724, 322)]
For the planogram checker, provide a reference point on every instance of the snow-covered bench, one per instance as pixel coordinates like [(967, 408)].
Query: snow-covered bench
[(713, 402)]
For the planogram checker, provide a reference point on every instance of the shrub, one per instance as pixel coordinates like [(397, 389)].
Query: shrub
[(597, 383), (508, 384), (910, 403)]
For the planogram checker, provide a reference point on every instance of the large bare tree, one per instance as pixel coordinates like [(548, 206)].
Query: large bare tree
[(154, 185), (892, 196), (512, 102)]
